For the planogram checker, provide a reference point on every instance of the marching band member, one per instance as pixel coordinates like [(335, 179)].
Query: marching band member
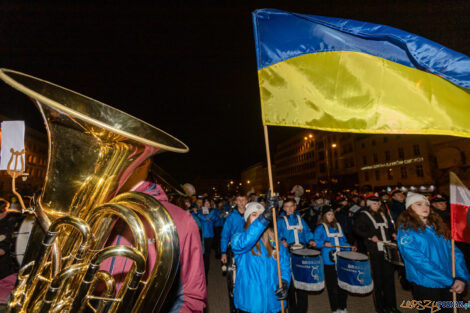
[(397, 204), (256, 287), (425, 245), (327, 235), (372, 227), (292, 229), (207, 218), (233, 224), (439, 206)]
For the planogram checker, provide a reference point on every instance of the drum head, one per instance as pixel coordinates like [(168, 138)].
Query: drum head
[(306, 252), (23, 236), (351, 255)]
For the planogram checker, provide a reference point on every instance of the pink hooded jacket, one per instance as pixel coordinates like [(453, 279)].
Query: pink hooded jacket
[(188, 293)]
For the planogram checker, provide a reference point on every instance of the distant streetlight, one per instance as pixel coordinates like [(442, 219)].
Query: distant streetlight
[(231, 182), (240, 184), (305, 138), (333, 145), (278, 182), (310, 136), (248, 181)]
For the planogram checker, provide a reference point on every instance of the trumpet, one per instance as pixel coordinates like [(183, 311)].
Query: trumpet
[(93, 149)]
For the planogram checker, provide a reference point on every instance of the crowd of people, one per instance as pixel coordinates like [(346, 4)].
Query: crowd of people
[(373, 228), (412, 227)]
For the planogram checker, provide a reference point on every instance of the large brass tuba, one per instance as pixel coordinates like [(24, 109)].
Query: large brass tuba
[(93, 149)]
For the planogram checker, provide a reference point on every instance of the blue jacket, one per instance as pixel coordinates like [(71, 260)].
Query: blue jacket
[(198, 223), (207, 223), (321, 237), (283, 233), (219, 221), (428, 258), (233, 224), (257, 278)]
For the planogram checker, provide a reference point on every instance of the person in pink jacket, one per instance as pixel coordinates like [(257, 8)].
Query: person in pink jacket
[(188, 292)]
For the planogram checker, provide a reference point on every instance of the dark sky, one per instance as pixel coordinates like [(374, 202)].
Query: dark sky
[(187, 69)]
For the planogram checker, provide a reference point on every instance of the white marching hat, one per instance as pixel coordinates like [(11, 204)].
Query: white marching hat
[(252, 207), (412, 197)]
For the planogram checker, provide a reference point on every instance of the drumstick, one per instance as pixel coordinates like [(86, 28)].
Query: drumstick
[(341, 247)]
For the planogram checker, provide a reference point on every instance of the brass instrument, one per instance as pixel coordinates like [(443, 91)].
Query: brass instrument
[(93, 149)]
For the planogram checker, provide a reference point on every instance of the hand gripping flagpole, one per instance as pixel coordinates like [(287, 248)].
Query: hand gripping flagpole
[(271, 188)]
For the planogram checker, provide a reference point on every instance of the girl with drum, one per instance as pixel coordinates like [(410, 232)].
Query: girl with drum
[(425, 245), (329, 237), (372, 227), (256, 286)]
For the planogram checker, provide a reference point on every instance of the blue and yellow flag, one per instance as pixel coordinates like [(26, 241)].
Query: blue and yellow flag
[(349, 76)]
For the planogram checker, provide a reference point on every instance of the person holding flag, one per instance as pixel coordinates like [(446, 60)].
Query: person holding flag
[(256, 287), (425, 245)]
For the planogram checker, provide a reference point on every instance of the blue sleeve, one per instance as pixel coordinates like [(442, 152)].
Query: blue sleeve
[(281, 229), (285, 264), (461, 271), (411, 253), (319, 236), (214, 216), (201, 216), (307, 231), (245, 241), (225, 235)]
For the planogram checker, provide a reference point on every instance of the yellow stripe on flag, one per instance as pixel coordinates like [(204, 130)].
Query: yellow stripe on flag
[(345, 91)]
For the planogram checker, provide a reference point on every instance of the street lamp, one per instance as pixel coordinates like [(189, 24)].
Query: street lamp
[(231, 182), (333, 145), (305, 138), (310, 136), (248, 181)]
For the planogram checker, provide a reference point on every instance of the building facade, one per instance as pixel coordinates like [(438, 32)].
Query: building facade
[(338, 161), (255, 179)]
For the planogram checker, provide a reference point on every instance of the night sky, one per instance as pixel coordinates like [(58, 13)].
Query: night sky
[(187, 69)]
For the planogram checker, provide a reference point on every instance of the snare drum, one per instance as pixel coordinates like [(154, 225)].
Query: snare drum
[(354, 274), (392, 254), (307, 269)]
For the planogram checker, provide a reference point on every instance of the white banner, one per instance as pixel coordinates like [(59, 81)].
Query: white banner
[(12, 138)]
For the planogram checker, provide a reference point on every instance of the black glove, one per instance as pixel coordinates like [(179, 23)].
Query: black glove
[(272, 203), (282, 292)]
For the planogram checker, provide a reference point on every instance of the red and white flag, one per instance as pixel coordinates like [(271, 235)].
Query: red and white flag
[(459, 209)]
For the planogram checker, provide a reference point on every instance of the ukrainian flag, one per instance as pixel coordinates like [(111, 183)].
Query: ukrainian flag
[(348, 76)]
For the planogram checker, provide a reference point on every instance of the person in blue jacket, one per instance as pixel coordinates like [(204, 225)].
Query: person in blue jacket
[(207, 218), (256, 287), (234, 223), (328, 234), (218, 225), (292, 229), (425, 246)]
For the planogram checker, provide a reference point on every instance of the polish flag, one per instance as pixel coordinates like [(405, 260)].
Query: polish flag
[(459, 209)]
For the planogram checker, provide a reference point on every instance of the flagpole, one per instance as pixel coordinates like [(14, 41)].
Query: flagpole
[(271, 188), (454, 295)]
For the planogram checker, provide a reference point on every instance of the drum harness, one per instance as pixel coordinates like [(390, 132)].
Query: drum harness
[(336, 237), (382, 226), (295, 228)]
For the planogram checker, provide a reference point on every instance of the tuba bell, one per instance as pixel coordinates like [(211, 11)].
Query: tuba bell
[(93, 149)]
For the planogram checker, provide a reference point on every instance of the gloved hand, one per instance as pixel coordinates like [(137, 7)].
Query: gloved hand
[(281, 293), (272, 203)]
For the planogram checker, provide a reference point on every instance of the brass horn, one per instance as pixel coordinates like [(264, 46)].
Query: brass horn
[(93, 149)]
